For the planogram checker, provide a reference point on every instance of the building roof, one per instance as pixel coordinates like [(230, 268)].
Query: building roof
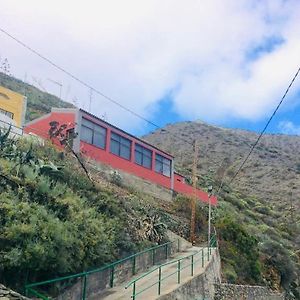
[(54, 109)]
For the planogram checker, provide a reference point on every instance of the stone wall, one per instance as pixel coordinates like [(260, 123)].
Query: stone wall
[(130, 180), (225, 291), (7, 294)]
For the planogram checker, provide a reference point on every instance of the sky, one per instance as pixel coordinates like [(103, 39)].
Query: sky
[(224, 62)]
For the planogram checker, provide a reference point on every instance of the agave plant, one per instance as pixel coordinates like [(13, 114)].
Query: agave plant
[(51, 170), (6, 144), (4, 136)]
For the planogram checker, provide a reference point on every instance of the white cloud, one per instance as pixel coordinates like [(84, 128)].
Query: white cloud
[(138, 51), (288, 127)]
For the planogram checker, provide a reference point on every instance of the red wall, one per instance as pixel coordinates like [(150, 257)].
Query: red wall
[(183, 188), (41, 126), (123, 164)]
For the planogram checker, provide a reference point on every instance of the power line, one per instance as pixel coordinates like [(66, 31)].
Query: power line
[(265, 128), (92, 89), (140, 116)]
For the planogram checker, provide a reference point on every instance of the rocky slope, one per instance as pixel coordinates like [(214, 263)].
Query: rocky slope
[(271, 174)]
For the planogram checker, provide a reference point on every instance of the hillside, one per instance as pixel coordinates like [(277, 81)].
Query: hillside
[(38, 102), (56, 221), (257, 218), (272, 173), (265, 197)]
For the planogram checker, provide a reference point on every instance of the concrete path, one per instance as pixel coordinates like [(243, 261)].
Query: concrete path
[(169, 275)]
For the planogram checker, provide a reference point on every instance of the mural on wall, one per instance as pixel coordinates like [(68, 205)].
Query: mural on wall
[(63, 133)]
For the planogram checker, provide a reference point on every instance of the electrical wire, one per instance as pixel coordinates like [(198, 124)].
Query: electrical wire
[(265, 128), (55, 65), (143, 118)]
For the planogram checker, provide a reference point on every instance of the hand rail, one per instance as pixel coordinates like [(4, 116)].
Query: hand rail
[(213, 243), (28, 287)]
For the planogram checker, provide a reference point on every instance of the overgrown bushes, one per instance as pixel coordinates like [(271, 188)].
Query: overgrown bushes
[(239, 248), (53, 219)]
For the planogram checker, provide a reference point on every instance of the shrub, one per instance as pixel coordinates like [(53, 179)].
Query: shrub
[(263, 209), (241, 247), (116, 178), (279, 258), (230, 274)]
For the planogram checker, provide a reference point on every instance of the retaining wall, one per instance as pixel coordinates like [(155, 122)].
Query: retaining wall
[(225, 291), (131, 180)]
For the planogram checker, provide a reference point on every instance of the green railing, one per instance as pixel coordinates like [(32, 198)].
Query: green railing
[(190, 261), (31, 289)]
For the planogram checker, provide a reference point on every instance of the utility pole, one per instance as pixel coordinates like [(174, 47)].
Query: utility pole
[(210, 188), (194, 198), (90, 103), (58, 84), (292, 208)]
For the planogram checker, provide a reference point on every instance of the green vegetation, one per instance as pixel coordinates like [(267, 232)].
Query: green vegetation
[(255, 249), (239, 248), (55, 221), (263, 201)]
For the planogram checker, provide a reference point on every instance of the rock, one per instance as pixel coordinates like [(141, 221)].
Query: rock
[(7, 294), (3, 292)]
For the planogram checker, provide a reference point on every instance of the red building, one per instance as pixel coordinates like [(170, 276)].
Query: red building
[(112, 146)]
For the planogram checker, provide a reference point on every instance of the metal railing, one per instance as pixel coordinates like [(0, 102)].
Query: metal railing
[(16, 130), (198, 257), (166, 248)]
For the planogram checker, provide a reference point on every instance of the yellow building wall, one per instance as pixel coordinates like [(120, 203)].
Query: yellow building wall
[(14, 103)]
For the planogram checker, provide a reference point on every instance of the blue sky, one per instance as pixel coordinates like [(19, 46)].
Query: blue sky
[(225, 62), (286, 120)]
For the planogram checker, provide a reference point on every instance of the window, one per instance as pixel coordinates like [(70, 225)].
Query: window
[(143, 156), (120, 146), (7, 113), (93, 134), (162, 165)]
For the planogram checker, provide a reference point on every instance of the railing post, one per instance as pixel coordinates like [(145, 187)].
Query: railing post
[(192, 266), (166, 250), (133, 265), (202, 258), (112, 274), (153, 257), (84, 288), (159, 280), (207, 253), (178, 245), (133, 291), (178, 272)]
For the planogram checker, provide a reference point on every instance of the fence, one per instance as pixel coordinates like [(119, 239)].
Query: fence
[(82, 285), (181, 263), (14, 130), (17, 132)]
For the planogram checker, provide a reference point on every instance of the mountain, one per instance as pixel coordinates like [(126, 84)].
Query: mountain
[(272, 172), (38, 102), (257, 217), (263, 198)]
